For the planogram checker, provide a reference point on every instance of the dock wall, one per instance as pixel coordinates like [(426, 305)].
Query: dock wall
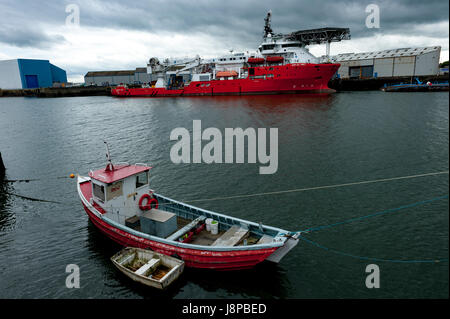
[(337, 84)]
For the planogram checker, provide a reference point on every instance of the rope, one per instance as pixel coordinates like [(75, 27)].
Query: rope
[(317, 187), (387, 211), (33, 199), (259, 194), (31, 180), (337, 252)]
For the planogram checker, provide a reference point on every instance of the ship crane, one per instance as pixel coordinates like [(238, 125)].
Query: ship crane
[(190, 65)]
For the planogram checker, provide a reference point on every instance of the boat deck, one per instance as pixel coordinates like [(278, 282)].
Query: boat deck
[(203, 238)]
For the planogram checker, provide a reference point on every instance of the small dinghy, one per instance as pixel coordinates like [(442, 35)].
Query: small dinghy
[(148, 267)]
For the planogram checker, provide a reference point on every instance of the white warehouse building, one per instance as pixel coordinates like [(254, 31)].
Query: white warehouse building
[(389, 63)]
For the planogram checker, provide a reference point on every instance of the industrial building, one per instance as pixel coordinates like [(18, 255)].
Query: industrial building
[(389, 63), (30, 74), (112, 78)]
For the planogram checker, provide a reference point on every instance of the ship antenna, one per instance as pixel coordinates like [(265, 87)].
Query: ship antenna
[(267, 27), (109, 166)]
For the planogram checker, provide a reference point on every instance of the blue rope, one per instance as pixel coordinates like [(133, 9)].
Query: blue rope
[(387, 211), (337, 252)]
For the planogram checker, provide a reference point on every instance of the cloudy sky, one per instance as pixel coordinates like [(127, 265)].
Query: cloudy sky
[(117, 35)]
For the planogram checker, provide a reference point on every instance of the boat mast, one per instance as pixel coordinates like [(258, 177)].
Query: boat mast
[(109, 166)]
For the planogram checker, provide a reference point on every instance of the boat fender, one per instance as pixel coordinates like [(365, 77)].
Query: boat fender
[(150, 201)]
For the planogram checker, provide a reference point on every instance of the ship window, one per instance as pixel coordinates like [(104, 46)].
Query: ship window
[(114, 190), (99, 192), (268, 46), (141, 179), (251, 71)]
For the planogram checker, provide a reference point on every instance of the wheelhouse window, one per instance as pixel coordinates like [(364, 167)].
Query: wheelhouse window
[(291, 45), (268, 46), (141, 179), (99, 192)]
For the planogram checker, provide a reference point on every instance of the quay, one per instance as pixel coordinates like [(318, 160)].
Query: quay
[(58, 91)]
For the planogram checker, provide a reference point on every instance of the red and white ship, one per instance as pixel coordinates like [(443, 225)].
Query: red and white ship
[(120, 203), (282, 64)]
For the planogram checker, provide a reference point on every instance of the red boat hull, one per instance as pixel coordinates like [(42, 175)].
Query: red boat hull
[(197, 258), (277, 79)]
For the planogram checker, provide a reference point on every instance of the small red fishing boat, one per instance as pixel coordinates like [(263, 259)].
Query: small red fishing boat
[(120, 203)]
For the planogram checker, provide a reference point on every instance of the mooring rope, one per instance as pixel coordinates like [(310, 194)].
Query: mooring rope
[(316, 188), (338, 252), (33, 199), (387, 211), (32, 179)]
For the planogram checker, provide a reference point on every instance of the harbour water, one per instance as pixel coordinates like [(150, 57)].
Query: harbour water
[(323, 140)]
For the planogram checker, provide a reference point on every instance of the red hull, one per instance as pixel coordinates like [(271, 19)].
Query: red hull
[(278, 79), (197, 258)]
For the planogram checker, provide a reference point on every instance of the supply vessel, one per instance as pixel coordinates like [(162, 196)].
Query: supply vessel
[(281, 64)]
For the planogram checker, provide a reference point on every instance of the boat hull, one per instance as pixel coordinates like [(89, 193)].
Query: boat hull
[(219, 260)]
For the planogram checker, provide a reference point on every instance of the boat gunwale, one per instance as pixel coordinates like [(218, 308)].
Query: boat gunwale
[(279, 241)]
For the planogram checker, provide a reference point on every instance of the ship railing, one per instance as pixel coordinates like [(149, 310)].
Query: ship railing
[(141, 164), (122, 163)]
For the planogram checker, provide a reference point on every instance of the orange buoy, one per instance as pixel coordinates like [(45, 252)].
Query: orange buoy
[(150, 201)]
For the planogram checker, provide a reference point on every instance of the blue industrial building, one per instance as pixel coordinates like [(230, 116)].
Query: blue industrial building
[(30, 74)]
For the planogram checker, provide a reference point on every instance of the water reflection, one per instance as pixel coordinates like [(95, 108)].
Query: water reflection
[(7, 218), (269, 103)]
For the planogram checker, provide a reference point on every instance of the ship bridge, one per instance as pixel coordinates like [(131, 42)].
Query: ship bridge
[(308, 37)]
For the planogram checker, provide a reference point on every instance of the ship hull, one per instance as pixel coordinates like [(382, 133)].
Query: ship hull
[(282, 79)]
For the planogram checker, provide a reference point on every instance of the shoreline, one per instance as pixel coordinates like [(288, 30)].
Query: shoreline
[(340, 85)]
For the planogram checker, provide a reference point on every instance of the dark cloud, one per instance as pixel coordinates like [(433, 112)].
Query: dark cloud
[(237, 22), (31, 38)]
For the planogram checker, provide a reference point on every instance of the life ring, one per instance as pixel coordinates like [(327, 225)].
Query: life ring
[(150, 201)]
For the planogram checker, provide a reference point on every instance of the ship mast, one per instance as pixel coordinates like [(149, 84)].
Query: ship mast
[(267, 28)]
